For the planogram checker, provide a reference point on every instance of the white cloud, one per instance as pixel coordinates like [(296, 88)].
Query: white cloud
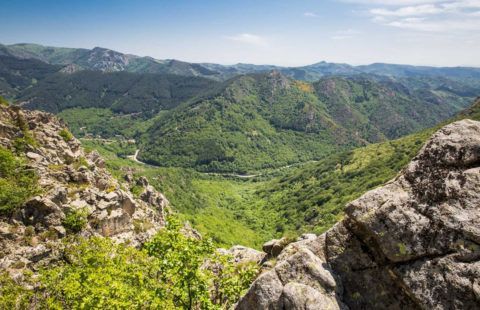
[(248, 38), (393, 2), (447, 16), (437, 26), (425, 9), (309, 14)]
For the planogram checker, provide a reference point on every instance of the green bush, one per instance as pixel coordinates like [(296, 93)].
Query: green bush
[(181, 263), (173, 271), (17, 182), (66, 134), (75, 220), (13, 295), (102, 275)]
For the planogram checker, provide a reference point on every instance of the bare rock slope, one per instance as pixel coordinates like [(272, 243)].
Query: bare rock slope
[(72, 181), (411, 244)]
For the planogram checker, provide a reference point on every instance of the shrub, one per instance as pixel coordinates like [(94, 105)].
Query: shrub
[(173, 271), (17, 183), (66, 135), (199, 277), (12, 294), (103, 275), (75, 220)]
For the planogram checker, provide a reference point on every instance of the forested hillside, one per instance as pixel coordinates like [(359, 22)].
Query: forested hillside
[(268, 120), (245, 124)]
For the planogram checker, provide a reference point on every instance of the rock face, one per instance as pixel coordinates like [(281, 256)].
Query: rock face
[(411, 244), (72, 182)]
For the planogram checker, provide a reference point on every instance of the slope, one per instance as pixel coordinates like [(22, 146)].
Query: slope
[(313, 197), (267, 120)]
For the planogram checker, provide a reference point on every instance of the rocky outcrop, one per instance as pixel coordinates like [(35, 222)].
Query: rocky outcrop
[(411, 244), (74, 183)]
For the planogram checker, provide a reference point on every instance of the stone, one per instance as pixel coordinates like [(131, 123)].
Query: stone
[(32, 235), (275, 246), (296, 296), (413, 243), (113, 196), (243, 254), (34, 156), (264, 293)]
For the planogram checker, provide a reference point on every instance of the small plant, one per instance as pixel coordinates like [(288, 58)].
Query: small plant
[(140, 226), (75, 220), (4, 102), (17, 182), (137, 190), (81, 161), (66, 135)]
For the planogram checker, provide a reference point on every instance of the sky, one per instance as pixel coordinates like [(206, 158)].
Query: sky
[(280, 32)]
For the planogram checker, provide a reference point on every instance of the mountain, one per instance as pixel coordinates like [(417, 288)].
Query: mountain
[(249, 122), (410, 244), (121, 92), (268, 120), (103, 59), (313, 197), (107, 60), (19, 74)]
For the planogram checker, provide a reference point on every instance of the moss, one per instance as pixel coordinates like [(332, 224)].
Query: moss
[(137, 190), (18, 265), (55, 167), (50, 234), (402, 248)]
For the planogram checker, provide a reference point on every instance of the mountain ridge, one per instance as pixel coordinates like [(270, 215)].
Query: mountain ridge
[(115, 61)]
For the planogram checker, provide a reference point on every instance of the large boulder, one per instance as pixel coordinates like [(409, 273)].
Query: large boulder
[(411, 244)]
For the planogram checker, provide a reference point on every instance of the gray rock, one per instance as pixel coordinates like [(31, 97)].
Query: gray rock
[(264, 293), (243, 254), (296, 296), (412, 244), (274, 247)]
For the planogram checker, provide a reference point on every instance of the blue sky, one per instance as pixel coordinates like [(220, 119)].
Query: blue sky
[(282, 32)]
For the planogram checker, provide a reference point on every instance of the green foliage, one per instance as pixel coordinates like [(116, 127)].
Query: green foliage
[(75, 220), (172, 272), (313, 198), (17, 182), (101, 275), (27, 140), (104, 123), (182, 265), (252, 124), (66, 134), (12, 295), (121, 92)]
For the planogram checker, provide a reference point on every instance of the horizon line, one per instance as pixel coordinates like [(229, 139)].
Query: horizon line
[(247, 63)]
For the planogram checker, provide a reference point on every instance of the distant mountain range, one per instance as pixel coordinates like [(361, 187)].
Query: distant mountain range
[(102, 59), (191, 115)]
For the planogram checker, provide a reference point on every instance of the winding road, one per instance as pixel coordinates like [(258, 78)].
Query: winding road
[(134, 157)]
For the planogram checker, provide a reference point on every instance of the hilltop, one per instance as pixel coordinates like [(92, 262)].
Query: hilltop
[(107, 60)]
